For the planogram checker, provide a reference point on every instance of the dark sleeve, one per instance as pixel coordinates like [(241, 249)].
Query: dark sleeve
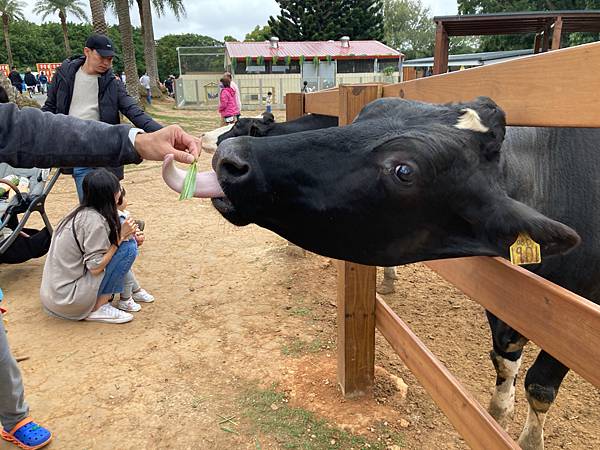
[(130, 109), (50, 104), (32, 138)]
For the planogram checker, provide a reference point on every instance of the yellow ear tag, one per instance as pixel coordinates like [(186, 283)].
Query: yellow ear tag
[(525, 251)]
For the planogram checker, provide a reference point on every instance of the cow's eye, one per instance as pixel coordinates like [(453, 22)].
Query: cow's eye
[(405, 173)]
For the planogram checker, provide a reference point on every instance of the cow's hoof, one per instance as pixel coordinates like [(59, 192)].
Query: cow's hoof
[(386, 288)]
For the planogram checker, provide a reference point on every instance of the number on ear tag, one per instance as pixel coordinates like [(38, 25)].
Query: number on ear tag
[(525, 251)]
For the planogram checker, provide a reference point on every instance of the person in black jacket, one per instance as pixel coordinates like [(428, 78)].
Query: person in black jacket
[(30, 81), (85, 87), (15, 79)]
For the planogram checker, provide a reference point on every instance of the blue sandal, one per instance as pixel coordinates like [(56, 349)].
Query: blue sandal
[(28, 435)]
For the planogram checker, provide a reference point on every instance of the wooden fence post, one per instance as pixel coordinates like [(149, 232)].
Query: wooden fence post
[(294, 105), (356, 286)]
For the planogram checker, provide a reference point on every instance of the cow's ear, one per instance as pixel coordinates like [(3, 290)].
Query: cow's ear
[(268, 118), (484, 118), (258, 129), (501, 221)]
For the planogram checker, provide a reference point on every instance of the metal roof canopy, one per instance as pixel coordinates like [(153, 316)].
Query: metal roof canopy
[(541, 23)]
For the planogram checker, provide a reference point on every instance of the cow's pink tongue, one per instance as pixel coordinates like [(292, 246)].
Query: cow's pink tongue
[(207, 185)]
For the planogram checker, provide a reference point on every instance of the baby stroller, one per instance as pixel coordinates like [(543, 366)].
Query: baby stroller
[(17, 243)]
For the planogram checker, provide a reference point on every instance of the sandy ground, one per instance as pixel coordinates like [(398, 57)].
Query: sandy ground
[(230, 303)]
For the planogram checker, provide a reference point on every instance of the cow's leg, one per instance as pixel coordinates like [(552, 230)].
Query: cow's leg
[(541, 385), (387, 284), (506, 357)]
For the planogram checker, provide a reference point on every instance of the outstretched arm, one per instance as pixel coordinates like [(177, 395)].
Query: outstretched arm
[(32, 138)]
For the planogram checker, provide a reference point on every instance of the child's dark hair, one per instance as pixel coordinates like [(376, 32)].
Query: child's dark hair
[(3, 95), (269, 93), (226, 81), (99, 189)]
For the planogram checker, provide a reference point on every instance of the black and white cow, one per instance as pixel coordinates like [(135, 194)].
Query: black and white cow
[(410, 181), (263, 126)]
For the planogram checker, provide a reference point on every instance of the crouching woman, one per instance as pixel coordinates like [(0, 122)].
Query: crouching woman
[(89, 256)]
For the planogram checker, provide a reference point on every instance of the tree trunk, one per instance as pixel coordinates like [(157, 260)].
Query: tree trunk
[(98, 20), (149, 45), (132, 82), (7, 40), (63, 24)]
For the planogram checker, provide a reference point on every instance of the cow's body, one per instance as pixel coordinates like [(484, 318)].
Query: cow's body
[(410, 182)]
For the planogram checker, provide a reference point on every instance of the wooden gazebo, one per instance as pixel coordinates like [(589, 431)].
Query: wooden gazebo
[(544, 24)]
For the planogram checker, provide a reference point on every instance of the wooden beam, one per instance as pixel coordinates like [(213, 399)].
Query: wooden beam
[(546, 39), (440, 55), (557, 33), (535, 90), (561, 322), (294, 105), (356, 285), (323, 102), (470, 419)]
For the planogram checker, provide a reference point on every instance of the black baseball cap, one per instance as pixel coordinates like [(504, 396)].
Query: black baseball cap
[(101, 44)]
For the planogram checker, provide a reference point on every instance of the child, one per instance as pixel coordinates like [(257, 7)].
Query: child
[(17, 426), (90, 255), (269, 101), (132, 292), (227, 103)]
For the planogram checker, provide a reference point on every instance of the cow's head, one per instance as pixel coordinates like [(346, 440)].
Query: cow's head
[(405, 182), (251, 126)]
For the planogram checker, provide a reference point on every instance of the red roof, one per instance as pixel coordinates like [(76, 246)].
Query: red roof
[(310, 49)]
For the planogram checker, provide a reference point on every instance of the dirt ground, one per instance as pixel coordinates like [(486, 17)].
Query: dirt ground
[(234, 312)]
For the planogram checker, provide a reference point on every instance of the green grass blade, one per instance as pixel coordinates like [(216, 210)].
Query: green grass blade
[(189, 184)]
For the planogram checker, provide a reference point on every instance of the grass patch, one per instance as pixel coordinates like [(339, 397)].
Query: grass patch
[(297, 428), (300, 311), (298, 347)]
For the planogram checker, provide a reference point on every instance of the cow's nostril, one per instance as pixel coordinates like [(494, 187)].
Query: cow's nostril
[(235, 169)]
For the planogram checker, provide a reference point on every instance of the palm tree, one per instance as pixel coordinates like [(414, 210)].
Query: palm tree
[(98, 20), (62, 7), (145, 11), (10, 10), (132, 81)]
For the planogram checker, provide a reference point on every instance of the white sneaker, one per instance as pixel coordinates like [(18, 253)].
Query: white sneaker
[(142, 296), (109, 314), (126, 305)]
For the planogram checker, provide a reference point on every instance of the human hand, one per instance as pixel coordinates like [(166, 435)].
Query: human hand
[(169, 140), (140, 237), (128, 228)]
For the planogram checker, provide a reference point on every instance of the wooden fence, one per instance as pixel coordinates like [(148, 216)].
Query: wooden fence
[(551, 89)]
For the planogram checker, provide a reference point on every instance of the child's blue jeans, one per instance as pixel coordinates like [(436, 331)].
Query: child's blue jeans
[(121, 262)]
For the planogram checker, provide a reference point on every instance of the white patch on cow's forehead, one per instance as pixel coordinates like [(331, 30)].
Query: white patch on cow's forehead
[(470, 120)]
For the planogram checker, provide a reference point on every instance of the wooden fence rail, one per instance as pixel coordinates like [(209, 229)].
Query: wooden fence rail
[(551, 89)]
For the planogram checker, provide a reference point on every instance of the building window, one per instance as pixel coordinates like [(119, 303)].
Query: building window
[(355, 65), (385, 63), (267, 67)]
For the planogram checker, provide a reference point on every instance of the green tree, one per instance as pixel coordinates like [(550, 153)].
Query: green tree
[(259, 34), (408, 26), (229, 38), (315, 20), (10, 10), (167, 50), (62, 8), (515, 42)]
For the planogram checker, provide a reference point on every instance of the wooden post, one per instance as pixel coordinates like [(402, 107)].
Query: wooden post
[(294, 105), (546, 40), (537, 43), (557, 34), (440, 55), (356, 286)]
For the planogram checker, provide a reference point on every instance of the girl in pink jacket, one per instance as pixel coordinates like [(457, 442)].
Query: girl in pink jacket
[(228, 108)]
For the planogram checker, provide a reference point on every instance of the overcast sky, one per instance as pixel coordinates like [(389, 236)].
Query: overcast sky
[(230, 17)]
